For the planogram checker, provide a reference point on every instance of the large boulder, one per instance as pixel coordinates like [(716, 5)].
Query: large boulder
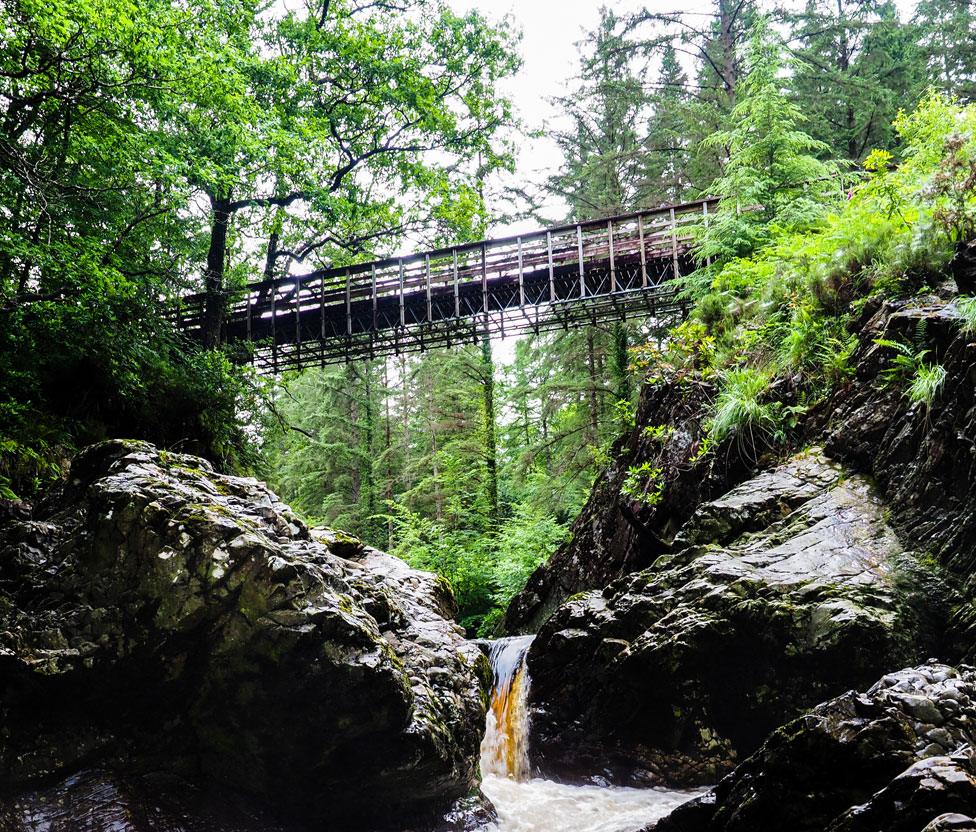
[(157, 618), (788, 589), (898, 758)]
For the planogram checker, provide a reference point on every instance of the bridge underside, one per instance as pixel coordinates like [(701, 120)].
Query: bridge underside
[(304, 336)]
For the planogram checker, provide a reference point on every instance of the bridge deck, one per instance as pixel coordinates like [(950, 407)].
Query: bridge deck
[(590, 271)]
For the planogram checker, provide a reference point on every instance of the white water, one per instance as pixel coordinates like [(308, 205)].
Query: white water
[(528, 804)]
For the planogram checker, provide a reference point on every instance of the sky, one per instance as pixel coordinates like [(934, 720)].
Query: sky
[(550, 29)]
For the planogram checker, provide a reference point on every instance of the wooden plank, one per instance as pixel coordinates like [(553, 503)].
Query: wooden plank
[(613, 265)]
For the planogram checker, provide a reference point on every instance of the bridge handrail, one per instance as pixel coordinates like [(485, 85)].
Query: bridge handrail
[(683, 209)]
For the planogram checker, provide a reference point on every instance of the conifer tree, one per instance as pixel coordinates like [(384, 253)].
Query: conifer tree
[(859, 64), (773, 175)]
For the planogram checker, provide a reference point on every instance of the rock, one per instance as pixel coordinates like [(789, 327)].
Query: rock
[(156, 617), (615, 534), (674, 673), (853, 764), (922, 460)]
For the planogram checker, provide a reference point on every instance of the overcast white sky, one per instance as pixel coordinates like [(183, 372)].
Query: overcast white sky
[(550, 29)]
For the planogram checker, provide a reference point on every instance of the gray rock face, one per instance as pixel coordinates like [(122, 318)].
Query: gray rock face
[(157, 617), (616, 534), (897, 758), (923, 460), (786, 590)]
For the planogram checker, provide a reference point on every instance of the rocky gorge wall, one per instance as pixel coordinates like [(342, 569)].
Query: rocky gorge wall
[(675, 639)]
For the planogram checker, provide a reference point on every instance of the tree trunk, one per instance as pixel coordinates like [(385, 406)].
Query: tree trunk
[(216, 297), (727, 41), (593, 403), (367, 476), (388, 451), (491, 448)]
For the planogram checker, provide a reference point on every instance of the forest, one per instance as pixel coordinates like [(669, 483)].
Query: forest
[(152, 149)]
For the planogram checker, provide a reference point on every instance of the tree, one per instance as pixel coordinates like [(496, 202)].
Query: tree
[(947, 29), (340, 111), (712, 40), (858, 65), (668, 147), (602, 153), (773, 176), (147, 148)]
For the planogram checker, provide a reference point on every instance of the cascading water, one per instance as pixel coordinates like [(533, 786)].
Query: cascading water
[(528, 804), (505, 750)]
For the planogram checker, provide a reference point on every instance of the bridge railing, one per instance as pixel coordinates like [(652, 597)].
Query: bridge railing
[(564, 264)]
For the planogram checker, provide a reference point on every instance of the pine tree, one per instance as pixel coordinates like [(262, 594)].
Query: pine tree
[(858, 66), (602, 151), (773, 175), (948, 43), (667, 149)]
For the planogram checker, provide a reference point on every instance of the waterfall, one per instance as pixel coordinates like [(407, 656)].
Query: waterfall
[(526, 804), (505, 748)]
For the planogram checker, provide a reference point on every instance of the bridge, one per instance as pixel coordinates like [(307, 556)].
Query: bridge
[(584, 272)]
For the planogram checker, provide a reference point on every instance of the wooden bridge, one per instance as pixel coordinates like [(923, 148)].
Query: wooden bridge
[(585, 272)]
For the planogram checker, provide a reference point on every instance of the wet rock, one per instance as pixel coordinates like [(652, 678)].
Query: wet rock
[(856, 763), (616, 534), (922, 460), (158, 617), (786, 590)]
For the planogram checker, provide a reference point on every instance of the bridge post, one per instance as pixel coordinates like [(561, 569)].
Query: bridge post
[(484, 280), (552, 271), (457, 293), (322, 311), (521, 276), (373, 294), (640, 236), (403, 318), (298, 322), (582, 270), (430, 315), (674, 245), (274, 328), (708, 260), (348, 307), (613, 266), (249, 338)]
